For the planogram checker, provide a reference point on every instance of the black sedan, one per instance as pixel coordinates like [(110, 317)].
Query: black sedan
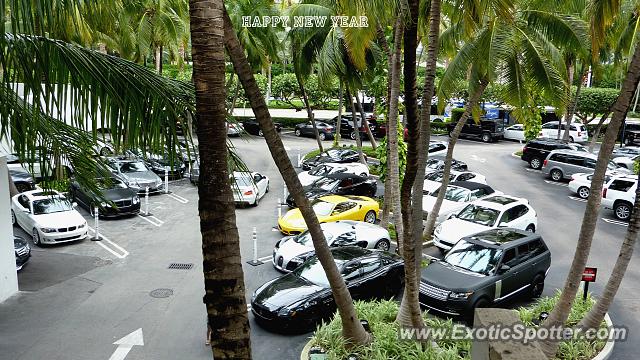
[(252, 127), (339, 184), (117, 198), (22, 250), (331, 156), (347, 129), (325, 131), (298, 301), (22, 179)]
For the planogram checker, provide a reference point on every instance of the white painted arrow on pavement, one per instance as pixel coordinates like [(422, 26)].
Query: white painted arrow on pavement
[(126, 343)]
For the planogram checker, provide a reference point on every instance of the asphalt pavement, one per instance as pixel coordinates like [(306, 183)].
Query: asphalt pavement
[(78, 299)]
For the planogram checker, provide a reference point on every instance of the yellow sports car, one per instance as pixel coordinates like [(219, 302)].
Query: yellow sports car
[(332, 208)]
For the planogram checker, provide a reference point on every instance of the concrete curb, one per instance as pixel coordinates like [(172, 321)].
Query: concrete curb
[(608, 346), (304, 355), (515, 156)]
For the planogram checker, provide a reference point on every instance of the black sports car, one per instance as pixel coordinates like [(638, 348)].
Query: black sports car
[(339, 184), (325, 131), (434, 164), (298, 301), (114, 192), (331, 156), (252, 127), (22, 179)]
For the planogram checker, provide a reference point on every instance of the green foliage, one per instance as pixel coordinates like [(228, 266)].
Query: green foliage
[(174, 72), (381, 154), (636, 166), (57, 185), (594, 101), (531, 118), (285, 87), (456, 114)]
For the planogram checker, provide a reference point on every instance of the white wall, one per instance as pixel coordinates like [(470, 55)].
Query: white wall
[(8, 276)]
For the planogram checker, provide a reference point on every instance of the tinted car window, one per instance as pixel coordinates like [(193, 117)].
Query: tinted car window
[(509, 257), (559, 158), (24, 201), (351, 271), (465, 177), (590, 163), (621, 185), (550, 126), (370, 265), (473, 257), (344, 206), (575, 160), (536, 248)]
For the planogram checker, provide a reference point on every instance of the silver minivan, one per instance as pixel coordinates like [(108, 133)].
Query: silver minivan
[(561, 164)]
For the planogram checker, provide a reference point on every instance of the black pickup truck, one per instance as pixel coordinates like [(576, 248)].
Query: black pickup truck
[(487, 130)]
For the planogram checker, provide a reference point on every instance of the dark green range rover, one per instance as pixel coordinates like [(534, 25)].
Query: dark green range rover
[(485, 269)]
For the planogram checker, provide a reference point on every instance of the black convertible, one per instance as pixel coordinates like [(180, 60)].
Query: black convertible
[(331, 156), (339, 184), (252, 127), (300, 300)]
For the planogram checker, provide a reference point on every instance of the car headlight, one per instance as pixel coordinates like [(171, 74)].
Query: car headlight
[(460, 295), (297, 259), (285, 311), (309, 304), (105, 204), (82, 225), (136, 199), (48, 230)]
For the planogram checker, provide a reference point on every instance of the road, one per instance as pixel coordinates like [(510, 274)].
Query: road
[(78, 299)]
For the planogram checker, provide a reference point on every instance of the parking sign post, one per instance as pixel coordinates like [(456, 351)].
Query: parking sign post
[(299, 163), (96, 216), (166, 181), (279, 208), (588, 275), (284, 191), (146, 202), (255, 261)]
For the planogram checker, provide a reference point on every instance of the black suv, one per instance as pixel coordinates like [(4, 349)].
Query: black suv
[(484, 269), (488, 129), (347, 129), (535, 151)]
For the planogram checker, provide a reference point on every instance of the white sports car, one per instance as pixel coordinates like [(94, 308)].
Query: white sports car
[(433, 181), (48, 216), (457, 196), (308, 177), (249, 187), (291, 251)]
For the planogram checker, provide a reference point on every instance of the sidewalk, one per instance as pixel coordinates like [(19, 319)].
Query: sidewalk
[(288, 113)]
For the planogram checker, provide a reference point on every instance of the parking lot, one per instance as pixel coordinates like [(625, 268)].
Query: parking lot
[(78, 299)]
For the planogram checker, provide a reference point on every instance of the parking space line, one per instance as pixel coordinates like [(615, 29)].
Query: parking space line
[(577, 199), (124, 252), (533, 170), (178, 198), (155, 222), (556, 183), (248, 307), (615, 222), (264, 258)]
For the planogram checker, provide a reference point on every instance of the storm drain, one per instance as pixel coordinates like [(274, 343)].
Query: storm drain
[(180, 266), (161, 293)]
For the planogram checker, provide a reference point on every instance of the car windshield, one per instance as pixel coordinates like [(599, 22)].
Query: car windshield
[(325, 184), (313, 272), (110, 184), (435, 176), (132, 167), (612, 166), (322, 208), (435, 164), (479, 215), (320, 170), (578, 147), (473, 257), (305, 238), (454, 193), (51, 205), (242, 181)]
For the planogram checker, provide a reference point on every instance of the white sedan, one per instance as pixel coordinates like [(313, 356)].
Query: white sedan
[(291, 251), (308, 177), (458, 195), (626, 162), (489, 213), (249, 187), (433, 181), (48, 216), (514, 132)]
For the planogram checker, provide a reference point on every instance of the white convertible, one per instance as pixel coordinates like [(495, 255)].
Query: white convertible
[(48, 216), (433, 181), (307, 177), (458, 195)]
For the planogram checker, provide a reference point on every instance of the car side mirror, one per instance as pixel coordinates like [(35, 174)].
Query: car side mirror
[(452, 216), (27, 211), (74, 204), (504, 268)]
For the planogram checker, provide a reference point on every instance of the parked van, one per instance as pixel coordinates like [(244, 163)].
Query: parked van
[(561, 164), (577, 132)]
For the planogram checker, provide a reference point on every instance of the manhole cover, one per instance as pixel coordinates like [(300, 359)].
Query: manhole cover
[(180, 266), (161, 293)]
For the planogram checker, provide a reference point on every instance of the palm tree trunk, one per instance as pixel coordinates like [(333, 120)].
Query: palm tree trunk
[(352, 329), (269, 82), (365, 123), (562, 309), (433, 215), (596, 134), (409, 314), (158, 58), (571, 109), (181, 54), (356, 128), (309, 112), (594, 318), (224, 279), (336, 138)]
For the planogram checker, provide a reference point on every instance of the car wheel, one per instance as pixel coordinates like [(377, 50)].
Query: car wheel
[(36, 237), (383, 245), (298, 133), (13, 218), (535, 163), (257, 200), (531, 228), (479, 304), (556, 175), (260, 133), (322, 136), (583, 192), (622, 211), (267, 190), (537, 286), (486, 137), (352, 136), (370, 217)]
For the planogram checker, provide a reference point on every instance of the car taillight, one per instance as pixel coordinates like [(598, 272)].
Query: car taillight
[(248, 192), (544, 163), (579, 133), (604, 193)]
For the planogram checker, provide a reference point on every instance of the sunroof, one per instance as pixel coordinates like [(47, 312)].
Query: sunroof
[(499, 236), (502, 200)]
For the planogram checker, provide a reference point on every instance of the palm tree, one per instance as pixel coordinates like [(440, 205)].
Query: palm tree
[(352, 329), (224, 282)]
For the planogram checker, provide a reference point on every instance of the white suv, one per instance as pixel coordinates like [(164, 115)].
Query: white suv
[(619, 194), (577, 131)]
